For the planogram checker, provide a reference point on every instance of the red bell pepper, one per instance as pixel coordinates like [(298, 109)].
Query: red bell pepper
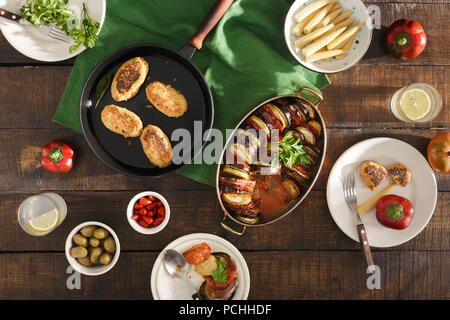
[(57, 157), (406, 39), (394, 212)]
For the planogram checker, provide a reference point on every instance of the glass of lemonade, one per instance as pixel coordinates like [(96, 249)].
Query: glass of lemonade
[(38, 215), (418, 102)]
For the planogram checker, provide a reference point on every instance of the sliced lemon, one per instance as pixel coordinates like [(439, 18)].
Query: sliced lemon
[(415, 103), (45, 222)]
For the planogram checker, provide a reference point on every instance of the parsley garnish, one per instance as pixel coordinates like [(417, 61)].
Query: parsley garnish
[(83, 29), (220, 274), (291, 151)]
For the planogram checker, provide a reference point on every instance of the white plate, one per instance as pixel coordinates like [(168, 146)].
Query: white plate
[(421, 191), (164, 287), (34, 42), (357, 51)]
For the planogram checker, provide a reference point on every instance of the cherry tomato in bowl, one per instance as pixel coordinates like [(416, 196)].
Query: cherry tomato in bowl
[(148, 212)]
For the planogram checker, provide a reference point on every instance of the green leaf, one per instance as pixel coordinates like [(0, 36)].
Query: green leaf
[(83, 30), (291, 151), (102, 87), (220, 274)]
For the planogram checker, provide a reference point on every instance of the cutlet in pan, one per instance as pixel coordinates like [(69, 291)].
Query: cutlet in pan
[(166, 99), (157, 146), (129, 78), (121, 121)]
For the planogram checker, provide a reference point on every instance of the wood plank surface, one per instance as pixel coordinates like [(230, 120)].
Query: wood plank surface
[(274, 275), (306, 255), (424, 11), (309, 227), (90, 173), (359, 97)]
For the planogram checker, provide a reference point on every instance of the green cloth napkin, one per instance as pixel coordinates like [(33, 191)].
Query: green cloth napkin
[(245, 59)]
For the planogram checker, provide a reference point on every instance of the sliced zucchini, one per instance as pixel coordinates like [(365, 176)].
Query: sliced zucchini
[(248, 219), (277, 113), (316, 127), (259, 124), (237, 199), (291, 187), (307, 134), (235, 171), (242, 152), (249, 134)]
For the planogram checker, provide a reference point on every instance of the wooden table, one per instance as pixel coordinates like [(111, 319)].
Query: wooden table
[(304, 256)]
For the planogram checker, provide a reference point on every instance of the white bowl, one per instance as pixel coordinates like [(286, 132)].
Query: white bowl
[(95, 270), (357, 51), (135, 225)]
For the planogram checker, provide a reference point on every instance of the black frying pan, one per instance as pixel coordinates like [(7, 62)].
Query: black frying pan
[(168, 66)]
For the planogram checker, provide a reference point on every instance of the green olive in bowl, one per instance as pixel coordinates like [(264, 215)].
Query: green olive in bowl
[(100, 233)]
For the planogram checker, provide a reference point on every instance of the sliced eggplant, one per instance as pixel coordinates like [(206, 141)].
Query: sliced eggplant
[(238, 183), (304, 173), (248, 134), (307, 134), (237, 199), (302, 182), (291, 187), (207, 293), (242, 152), (271, 122), (258, 124), (316, 127), (268, 170), (277, 115), (247, 218), (312, 154), (301, 106), (234, 170), (223, 188)]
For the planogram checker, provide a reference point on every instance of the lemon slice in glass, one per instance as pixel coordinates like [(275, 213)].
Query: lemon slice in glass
[(415, 103), (45, 222)]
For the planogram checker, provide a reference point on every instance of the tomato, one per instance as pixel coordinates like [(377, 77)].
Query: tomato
[(438, 152), (197, 254), (137, 205), (144, 201), (135, 217), (147, 219), (158, 221), (142, 211), (394, 212), (161, 211), (142, 223)]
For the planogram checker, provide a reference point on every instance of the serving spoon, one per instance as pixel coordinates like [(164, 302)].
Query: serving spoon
[(177, 266)]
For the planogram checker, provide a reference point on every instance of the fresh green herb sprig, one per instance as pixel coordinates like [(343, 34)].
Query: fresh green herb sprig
[(83, 29), (220, 274), (102, 87), (291, 152)]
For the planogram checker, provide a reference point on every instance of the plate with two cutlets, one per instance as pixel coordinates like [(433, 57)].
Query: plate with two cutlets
[(153, 92), (383, 164)]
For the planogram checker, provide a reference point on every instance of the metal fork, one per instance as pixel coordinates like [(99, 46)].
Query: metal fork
[(350, 198), (58, 34)]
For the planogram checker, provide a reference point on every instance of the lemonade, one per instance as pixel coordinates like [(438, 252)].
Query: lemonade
[(40, 214), (419, 102)]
